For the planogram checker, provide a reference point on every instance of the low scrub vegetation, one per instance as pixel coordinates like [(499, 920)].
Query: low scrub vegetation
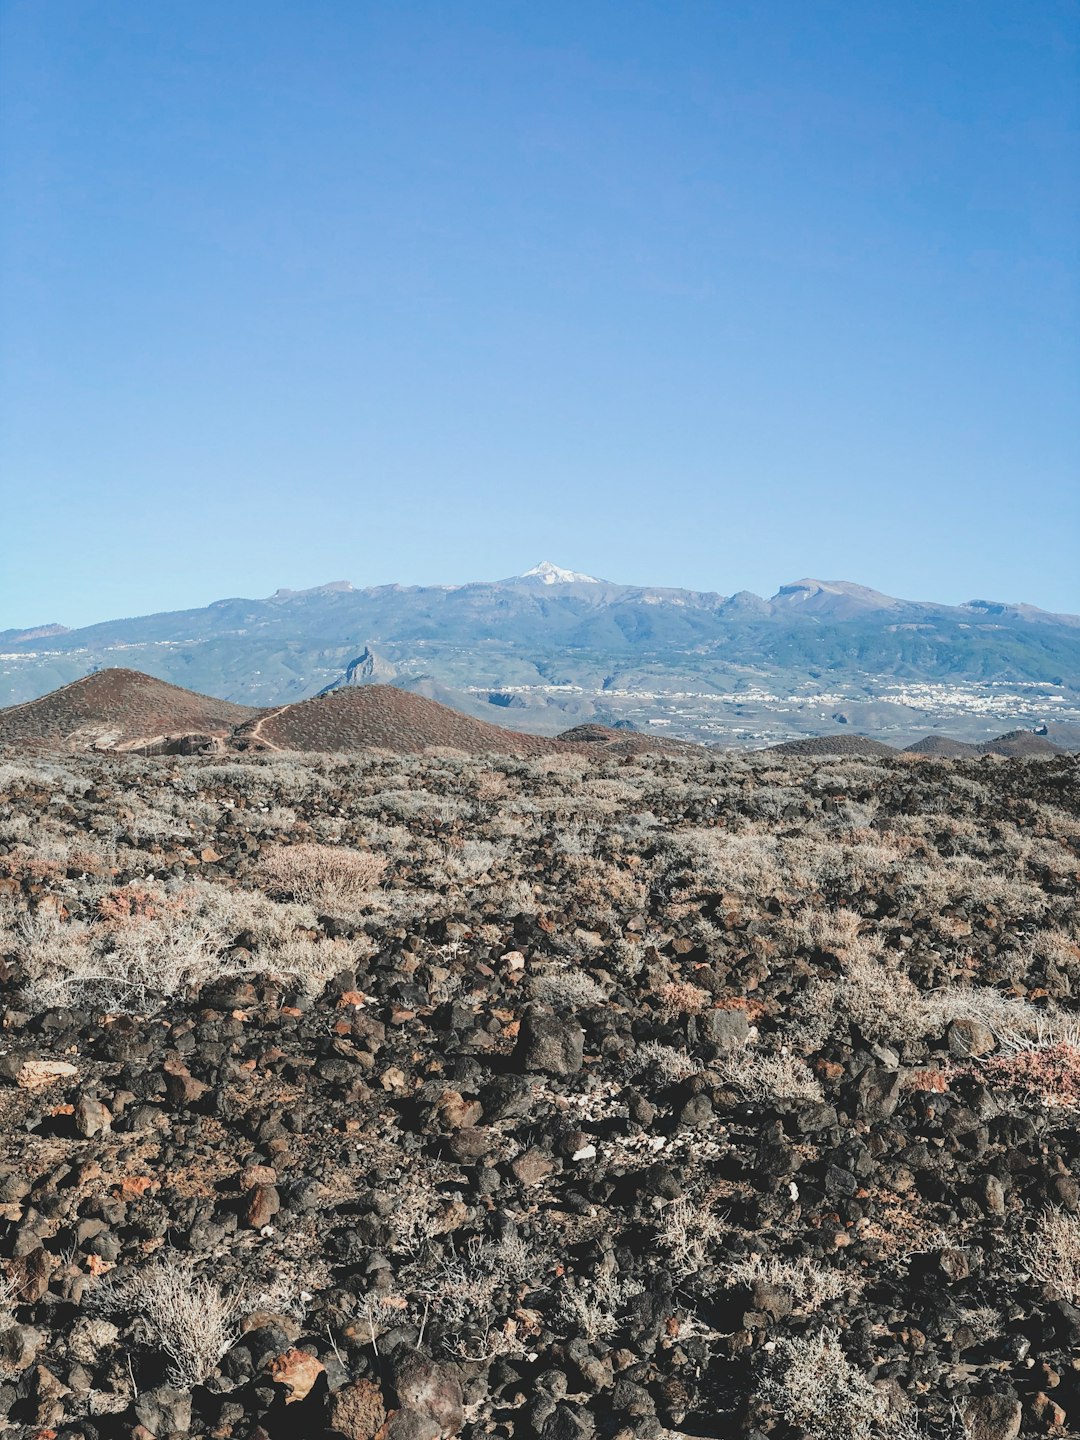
[(644, 1094)]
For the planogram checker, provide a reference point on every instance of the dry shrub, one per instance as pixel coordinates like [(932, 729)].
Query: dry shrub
[(137, 902), (812, 1384), (680, 997), (670, 1064), (1049, 1073), (686, 1231), (1052, 1253), (764, 1078), (926, 1081), (311, 963), (129, 966), (193, 1319), (834, 930), (876, 995), (809, 1285), (9, 1297), (332, 879), (880, 999), (593, 1308), (567, 989), (491, 785)]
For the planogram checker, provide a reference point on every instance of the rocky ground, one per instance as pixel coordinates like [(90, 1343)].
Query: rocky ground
[(548, 1096)]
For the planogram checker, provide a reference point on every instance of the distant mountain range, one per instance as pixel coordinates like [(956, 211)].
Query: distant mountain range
[(557, 647)]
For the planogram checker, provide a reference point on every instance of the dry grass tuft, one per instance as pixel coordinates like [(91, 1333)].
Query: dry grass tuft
[(1051, 1252), (334, 880)]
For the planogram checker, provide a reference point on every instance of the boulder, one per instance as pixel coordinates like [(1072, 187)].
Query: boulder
[(164, 1411), (431, 1390), (992, 1417), (357, 1410), (549, 1044)]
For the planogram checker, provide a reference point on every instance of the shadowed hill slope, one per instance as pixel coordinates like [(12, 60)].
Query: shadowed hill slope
[(118, 709), (1019, 743)]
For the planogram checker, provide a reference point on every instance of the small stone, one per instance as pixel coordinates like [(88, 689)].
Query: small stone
[(565, 1423), (992, 1195), (954, 1265), (450, 1216), (726, 1030), (455, 1113), (263, 1203), (406, 1424), (30, 1274), (357, 1410), (532, 1167), (33, 1074), (19, 1345), (771, 1300), (970, 1038), (180, 1085), (697, 1113), (253, 1175), (471, 1143), (89, 1338), (659, 1182), (432, 1390), (1048, 1414), (296, 1372), (840, 1184), (92, 1117), (877, 1093)]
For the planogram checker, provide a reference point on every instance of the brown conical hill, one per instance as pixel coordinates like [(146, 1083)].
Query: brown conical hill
[(825, 745), (1019, 743), (607, 739), (118, 709), (382, 717), (943, 747)]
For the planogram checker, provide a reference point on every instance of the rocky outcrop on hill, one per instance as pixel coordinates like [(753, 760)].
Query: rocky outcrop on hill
[(367, 669)]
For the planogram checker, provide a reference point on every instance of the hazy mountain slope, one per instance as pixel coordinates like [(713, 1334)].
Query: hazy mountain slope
[(550, 639)]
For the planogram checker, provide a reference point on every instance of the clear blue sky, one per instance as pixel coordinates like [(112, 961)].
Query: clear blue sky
[(716, 293)]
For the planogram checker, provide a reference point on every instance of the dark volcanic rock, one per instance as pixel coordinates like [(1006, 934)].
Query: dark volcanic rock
[(440, 1165), (549, 1044)]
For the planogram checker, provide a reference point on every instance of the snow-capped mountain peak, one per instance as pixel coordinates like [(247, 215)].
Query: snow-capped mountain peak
[(548, 574)]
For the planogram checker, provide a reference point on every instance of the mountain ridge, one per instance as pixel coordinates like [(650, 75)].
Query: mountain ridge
[(550, 574), (564, 648)]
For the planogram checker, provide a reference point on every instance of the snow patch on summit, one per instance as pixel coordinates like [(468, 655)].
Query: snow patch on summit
[(549, 574)]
